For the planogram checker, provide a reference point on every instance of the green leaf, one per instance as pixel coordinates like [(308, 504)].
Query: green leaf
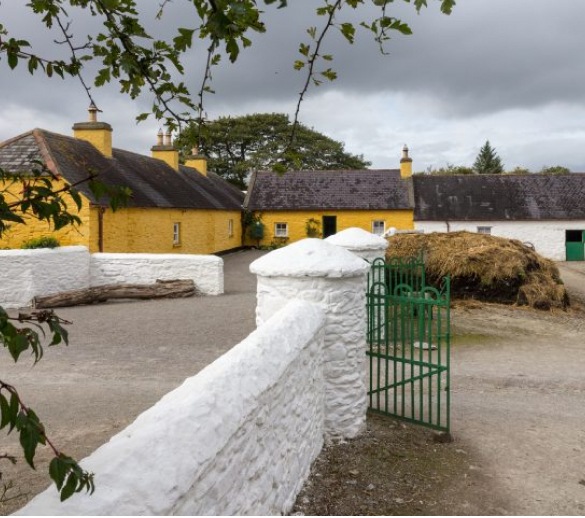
[(70, 487), (17, 345), (58, 469), (348, 31), (304, 49), (4, 411), (12, 60), (30, 435)]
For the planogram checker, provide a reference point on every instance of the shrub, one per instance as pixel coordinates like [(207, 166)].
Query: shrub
[(41, 242)]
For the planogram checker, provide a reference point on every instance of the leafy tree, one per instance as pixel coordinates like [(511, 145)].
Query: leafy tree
[(123, 50), (235, 146), (449, 170), (555, 169), (519, 170), (487, 161), (32, 331)]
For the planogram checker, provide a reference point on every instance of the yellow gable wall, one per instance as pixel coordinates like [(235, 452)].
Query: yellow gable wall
[(297, 220), (151, 230), (19, 233)]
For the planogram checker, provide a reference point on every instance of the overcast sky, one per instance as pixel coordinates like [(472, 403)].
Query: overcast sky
[(510, 71)]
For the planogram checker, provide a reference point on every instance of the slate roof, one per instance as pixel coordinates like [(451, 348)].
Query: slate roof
[(380, 189), (152, 181), (499, 197)]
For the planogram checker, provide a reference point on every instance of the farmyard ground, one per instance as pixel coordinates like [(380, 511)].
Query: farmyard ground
[(517, 385)]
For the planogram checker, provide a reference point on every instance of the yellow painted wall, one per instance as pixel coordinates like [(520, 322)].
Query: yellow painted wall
[(19, 233), (151, 230), (400, 219), (132, 229)]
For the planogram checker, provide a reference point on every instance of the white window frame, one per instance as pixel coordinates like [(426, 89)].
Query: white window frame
[(484, 230), (378, 221), (230, 228), (281, 229), (177, 234)]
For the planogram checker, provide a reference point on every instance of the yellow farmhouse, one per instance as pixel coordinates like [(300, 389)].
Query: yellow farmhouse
[(173, 209), (301, 204)]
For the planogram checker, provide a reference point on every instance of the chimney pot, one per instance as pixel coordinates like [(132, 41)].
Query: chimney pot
[(159, 137), (92, 110), (168, 141)]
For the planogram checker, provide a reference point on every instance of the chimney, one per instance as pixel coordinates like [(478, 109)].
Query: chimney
[(99, 134), (164, 150), (197, 161), (405, 163)]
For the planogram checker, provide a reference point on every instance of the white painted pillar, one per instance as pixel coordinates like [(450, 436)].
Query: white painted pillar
[(362, 243), (334, 278)]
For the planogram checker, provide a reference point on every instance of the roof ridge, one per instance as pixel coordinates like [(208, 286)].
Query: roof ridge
[(45, 149)]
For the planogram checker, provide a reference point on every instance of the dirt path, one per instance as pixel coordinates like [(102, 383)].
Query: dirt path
[(518, 419)]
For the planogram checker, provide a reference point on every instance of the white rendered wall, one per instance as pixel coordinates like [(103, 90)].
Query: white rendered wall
[(25, 274), (236, 439), (205, 270), (548, 237)]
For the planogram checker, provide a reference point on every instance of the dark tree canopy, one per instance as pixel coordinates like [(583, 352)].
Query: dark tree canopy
[(236, 146), (487, 161)]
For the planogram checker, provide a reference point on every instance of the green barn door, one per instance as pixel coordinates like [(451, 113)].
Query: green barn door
[(575, 245)]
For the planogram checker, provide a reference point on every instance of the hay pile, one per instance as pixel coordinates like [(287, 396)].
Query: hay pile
[(486, 267)]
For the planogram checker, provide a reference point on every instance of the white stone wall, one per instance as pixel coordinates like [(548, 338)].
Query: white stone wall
[(25, 274), (238, 438), (548, 237), (205, 270), (334, 278)]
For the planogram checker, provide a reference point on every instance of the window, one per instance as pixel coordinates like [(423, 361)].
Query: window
[(281, 230), (378, 227), (176, 234), (484, 230), (230, 228)]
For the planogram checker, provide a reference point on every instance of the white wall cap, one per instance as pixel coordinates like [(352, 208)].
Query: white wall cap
[(41, 251), (157, 257), (358, 239), (310, 258)]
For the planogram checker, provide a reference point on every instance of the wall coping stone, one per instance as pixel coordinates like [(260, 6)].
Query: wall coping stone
[(310, 257), (358, 239), (177, 257), (42, 251)]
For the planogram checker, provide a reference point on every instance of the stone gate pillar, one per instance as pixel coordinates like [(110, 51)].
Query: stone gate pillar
[(362, 243), (334, 278)]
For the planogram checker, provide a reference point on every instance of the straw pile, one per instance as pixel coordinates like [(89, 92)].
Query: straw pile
[(485, 267)]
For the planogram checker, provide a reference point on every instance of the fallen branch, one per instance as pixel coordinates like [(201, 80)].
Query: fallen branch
[(161, 289)]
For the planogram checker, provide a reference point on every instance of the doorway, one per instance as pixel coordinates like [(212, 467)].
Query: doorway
[(329, 226), (575, 245)]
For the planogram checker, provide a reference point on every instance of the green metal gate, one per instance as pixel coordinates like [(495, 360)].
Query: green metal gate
[(409, 344)]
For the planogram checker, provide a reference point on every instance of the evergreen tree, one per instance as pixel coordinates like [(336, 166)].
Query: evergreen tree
[(487, 161)]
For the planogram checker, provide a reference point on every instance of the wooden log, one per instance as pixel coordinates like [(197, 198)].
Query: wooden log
[(161, 289)]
